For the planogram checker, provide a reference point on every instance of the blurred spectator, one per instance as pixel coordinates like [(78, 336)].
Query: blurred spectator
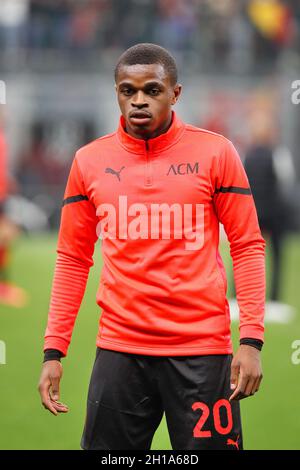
[(47, 158), (37, 166), (273, 27), (3, 170), (240, 39), (269, 167), (84, 24), (49, 24), (238, 35), (13, 17), (131, 22), (176, 24)]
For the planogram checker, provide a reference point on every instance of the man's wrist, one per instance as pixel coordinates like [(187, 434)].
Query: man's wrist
[(255, 343), (52, 355)]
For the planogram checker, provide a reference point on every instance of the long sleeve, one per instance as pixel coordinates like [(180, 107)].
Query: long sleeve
[(235, 209), (76, 241)]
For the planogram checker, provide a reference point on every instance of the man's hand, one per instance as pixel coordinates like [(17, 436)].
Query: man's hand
[(246, 372), (49, 387)]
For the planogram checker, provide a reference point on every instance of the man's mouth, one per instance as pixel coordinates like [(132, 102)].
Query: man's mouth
[(140, 118)]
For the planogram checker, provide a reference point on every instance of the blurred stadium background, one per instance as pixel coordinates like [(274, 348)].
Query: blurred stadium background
[(237, 61)]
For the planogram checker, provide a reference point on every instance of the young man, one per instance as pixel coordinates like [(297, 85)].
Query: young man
[(155, 191)]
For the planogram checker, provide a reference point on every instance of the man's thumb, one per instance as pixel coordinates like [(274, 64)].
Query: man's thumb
[(234, 377)]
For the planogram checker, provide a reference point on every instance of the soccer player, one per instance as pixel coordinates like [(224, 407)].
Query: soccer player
[(155, 192)]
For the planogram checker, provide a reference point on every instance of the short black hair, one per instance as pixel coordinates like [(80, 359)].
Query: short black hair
[(148, 53)]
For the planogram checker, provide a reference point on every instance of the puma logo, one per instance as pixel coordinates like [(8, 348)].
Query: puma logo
[(231, 442), (114, 172)]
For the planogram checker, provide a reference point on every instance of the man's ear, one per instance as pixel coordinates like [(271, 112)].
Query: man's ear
[(176, 93), (116, 88)]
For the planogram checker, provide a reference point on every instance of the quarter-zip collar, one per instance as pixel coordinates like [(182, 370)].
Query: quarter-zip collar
[(159, 143)]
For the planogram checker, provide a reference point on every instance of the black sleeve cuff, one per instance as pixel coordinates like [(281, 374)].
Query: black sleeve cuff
[(52, 355), (256, 343)]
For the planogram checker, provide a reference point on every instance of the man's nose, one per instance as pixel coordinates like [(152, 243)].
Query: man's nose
[(139, 100)]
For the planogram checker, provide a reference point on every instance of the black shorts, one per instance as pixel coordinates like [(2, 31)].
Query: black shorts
[(129, 393)]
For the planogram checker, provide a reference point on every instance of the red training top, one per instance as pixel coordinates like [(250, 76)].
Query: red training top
[(157, 206)]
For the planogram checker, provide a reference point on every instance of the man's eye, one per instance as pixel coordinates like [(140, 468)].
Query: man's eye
[(154, 91), (126, 91)]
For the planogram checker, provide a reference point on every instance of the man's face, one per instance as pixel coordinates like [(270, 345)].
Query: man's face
[(145, 97)]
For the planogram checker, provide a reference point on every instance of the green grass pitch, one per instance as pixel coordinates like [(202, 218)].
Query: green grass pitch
[(271, 419)]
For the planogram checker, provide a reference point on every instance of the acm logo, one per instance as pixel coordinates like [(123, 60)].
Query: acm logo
[(2, 353), (183, 169)]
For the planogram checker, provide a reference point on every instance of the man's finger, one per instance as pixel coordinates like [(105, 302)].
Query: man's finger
[(257, 385), (60, 407), (239, 396), (234, 377), (45, 398), (47, 404), (240, 389), (251, 387), (53, 406)]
